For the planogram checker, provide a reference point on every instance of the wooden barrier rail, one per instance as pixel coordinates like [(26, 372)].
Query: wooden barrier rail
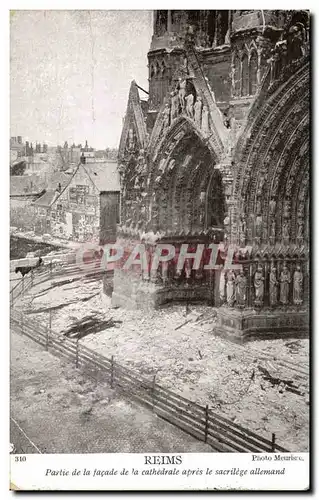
[(201, 422)]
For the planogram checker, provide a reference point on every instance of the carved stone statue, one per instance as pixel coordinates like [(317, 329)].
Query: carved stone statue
[(174, 105), (258, 225), (182, 93), (231, 288), (273, 286), (300, 232), (241, 289), (286, 209), (297, 286), (285, 231), (222, 287), (190, 105), (198, 111), (166, 117), (131, 139), (285, 279), (205, 123), (272, 206), (259, 286), (258, 206), (273, 232)]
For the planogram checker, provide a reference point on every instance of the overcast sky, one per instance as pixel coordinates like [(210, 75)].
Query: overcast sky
[(71, 73)]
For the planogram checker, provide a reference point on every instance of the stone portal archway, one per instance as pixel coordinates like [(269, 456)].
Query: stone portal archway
[(187, 190)]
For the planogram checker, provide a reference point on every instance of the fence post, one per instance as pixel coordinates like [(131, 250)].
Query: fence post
[(206, 423), (112, 371), (153, 391), (23, 284), (77, 354), (48, 331), (273, 442)]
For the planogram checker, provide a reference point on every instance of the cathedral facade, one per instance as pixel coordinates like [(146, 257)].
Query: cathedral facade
[(217, 151)]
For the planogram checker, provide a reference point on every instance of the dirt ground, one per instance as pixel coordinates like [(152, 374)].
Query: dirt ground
[(187, 358), (61, 411)]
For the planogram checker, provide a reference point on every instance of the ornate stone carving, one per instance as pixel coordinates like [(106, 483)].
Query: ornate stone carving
[(182, 93), (241, 289), (272, 206), (259, 286), (273, 286), (297, 286), (205, 120), (166, 116), (285, 280), (230, 288), (174, 105), (189, 99), (285, 232), (198, 111)]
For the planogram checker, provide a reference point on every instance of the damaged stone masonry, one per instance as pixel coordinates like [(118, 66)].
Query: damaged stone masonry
[(217, 150)]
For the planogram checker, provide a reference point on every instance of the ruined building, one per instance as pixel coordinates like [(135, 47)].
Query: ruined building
[(218, 151)]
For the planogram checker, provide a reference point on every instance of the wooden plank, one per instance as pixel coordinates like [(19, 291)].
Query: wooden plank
[(66, 347), (129, 381), (92, 352), (183, 417), (181, 398), (161, 400), (223, 448), (237, 427), (83, 358), (224, 429), (61, 350), (238, 438), (177, 399), (230, 444), (178, 423), (147, 384)]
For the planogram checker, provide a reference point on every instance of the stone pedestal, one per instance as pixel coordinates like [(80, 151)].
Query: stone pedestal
[(251, 324)]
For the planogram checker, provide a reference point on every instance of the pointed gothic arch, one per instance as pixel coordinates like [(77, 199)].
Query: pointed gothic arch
[(273, 163)]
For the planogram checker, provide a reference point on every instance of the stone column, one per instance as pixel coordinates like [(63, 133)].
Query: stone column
[(169, 21)]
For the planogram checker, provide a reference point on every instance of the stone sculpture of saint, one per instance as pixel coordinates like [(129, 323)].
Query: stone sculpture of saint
[(230, 288), (285, 231), (198, 111), (300, 232), (273, 286), (285, 279), (297, 286), (241, 289), (131, 141), (182, 93), (205, 124), (174, 105), (259, 286), (272, 206), (190, 105), (166, 117), (222, 287)]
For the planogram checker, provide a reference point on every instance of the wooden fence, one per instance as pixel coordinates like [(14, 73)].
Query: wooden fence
[(201, 422), (41, 274)]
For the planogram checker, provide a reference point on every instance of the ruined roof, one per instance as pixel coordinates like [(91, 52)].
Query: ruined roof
[(57, 178), (22, 185), (104, 175), (46, 199)]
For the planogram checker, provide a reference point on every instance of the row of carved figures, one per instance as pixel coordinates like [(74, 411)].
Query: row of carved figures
[(182, 102), (234, 288)]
